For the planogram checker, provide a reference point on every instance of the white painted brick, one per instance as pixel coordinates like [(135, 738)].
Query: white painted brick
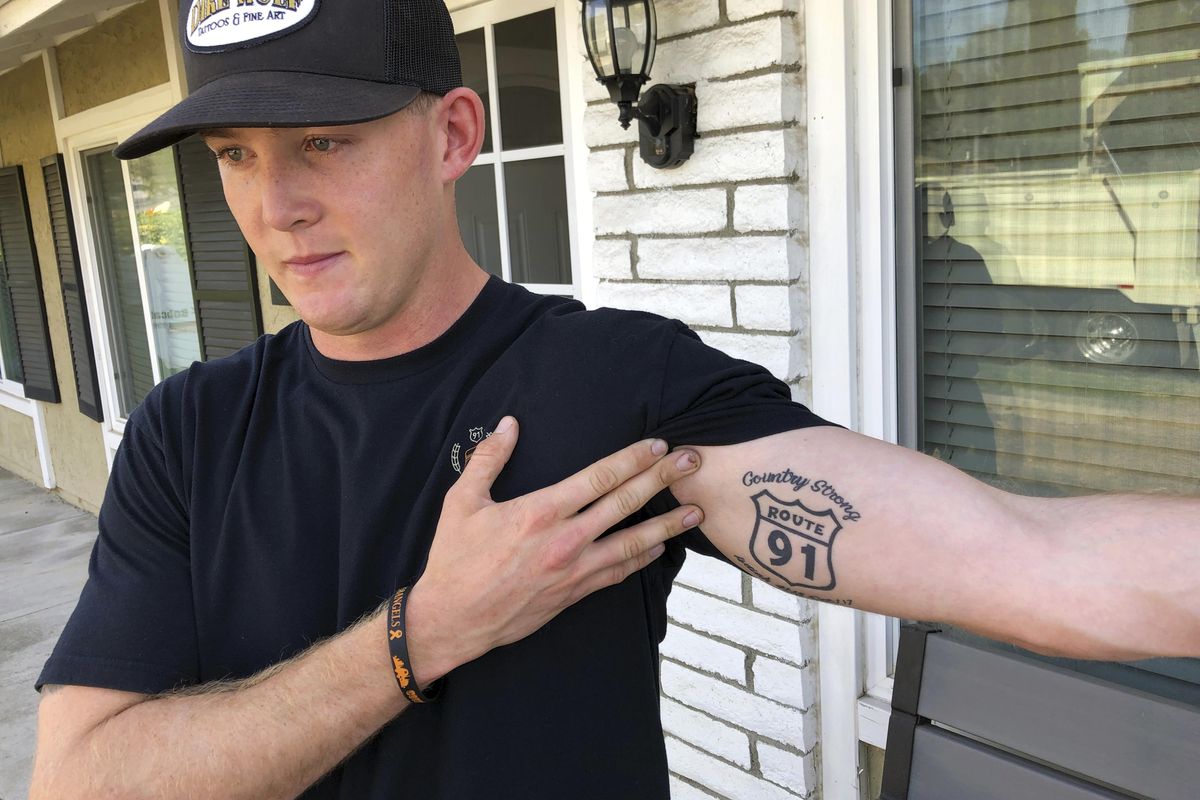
[(704, 653), (780, 355), (732, 157), (772, 98), (762, 258), (776, 637), (685, 791), (776, 207), (762, 208), (692, 303), (785, 725), (787, 684), (593, 90), (728, 51), (683, 16), (767, 598), (668, 211), (706, 733), (712, 576), (606, 171), (600, 127), (797, 773), (769, 308), (722, 779), (612, 258), (741, 9)]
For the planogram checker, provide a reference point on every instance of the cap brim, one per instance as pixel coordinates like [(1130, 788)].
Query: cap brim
[(269, 100)]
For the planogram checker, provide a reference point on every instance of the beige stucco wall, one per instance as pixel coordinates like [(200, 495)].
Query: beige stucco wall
[(18, 446), (76, 445), (116, 58)]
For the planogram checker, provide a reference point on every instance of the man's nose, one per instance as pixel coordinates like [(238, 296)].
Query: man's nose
[(288, 201)]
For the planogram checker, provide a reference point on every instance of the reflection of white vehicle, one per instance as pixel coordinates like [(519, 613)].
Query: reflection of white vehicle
[(172, 311), (1137, 237), (1131, 238)]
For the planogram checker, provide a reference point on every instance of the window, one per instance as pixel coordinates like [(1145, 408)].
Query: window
[(139, 243), (513, 207), (176, 276), (1055, 219)]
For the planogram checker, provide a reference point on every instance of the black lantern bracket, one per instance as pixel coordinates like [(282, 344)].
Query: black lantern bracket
[(666, 116), (621, 40)]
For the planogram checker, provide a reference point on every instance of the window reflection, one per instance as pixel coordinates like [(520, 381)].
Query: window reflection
[(1058, 196), (164, 260), (118, 271)]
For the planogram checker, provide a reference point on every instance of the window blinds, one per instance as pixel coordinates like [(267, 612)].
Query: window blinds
[(1058, 207)]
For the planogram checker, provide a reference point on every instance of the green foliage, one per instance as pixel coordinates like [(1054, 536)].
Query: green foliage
[(162, 228)]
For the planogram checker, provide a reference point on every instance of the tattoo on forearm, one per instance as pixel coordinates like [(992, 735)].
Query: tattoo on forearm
[(792, 541)]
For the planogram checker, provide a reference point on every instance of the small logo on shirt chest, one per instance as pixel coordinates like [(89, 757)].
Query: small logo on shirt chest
[(460, 457)]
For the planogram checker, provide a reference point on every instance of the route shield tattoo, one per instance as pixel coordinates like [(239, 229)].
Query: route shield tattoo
[(793, 542)]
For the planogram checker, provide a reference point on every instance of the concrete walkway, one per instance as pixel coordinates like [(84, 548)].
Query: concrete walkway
[(44, 548)]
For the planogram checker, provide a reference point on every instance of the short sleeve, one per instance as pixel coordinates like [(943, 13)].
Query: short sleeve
[(710, 398), (134, 627)]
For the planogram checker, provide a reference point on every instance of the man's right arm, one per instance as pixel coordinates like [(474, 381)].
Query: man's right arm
[(274, 734)]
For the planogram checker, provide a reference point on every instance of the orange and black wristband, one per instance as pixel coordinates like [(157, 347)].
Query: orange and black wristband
[(398, 645)]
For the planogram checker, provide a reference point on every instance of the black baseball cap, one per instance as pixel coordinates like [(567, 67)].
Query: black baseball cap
[(294, 63)]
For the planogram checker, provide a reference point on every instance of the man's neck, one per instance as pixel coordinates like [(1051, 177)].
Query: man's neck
[(440, 298)]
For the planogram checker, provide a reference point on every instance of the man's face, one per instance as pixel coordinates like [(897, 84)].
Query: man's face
[(344, 218)]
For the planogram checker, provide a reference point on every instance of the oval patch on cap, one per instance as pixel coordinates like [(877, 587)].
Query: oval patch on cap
[(216, 25)]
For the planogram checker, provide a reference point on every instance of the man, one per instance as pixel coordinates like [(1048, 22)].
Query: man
[(231, 640)]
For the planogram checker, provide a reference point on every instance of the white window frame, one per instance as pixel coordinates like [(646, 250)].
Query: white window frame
[(104, 125), (854, 334), (485, 15)]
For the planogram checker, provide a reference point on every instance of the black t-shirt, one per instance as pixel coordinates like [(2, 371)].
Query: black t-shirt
[(266, 501)]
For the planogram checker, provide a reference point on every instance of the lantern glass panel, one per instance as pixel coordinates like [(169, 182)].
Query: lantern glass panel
[(633, 26), (596, 32)]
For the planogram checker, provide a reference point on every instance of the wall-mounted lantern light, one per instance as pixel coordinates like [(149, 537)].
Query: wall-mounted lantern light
[(620, 37)]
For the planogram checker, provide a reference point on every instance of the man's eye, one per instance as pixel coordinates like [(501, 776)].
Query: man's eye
[(321, 144), (234, 154)]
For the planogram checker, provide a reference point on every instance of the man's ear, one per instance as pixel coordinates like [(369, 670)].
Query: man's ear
[(461, 118)]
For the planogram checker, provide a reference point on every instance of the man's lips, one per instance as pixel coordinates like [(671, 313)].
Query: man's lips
[(311, 263)]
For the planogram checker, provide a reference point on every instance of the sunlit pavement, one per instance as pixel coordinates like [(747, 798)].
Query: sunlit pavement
[(44, 547)]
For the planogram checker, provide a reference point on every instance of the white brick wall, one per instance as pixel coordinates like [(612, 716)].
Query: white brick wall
[(721, 243)]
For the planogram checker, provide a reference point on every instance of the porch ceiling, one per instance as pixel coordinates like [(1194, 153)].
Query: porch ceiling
[(28, 26)]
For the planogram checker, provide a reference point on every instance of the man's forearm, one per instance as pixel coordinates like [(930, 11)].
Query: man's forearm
[(269, 736), (496, 572), (1123, 570)]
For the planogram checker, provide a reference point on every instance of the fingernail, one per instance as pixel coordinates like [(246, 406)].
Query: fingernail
[(657, 550), (692, 519), (658, 447), (504, 425), (687, 460)]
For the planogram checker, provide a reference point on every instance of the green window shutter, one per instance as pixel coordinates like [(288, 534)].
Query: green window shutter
[(70, 275), (18, 259), (222, 264)]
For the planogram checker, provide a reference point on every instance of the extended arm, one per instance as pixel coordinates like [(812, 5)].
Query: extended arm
[(496, 573), (835, 516)]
